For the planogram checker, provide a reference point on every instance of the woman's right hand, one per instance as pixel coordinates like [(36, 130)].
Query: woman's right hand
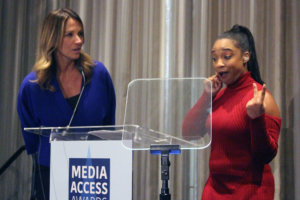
[(215, 85)]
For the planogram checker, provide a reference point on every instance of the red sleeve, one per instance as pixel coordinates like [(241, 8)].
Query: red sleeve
[(194, 122), (264, 137)]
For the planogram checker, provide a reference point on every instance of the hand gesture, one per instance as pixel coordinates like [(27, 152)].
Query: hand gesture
[(215, 85), (256, 106)]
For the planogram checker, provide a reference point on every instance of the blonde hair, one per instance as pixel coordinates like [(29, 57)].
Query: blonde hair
[(50, 39)]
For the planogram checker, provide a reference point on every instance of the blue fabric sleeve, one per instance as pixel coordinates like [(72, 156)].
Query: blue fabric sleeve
[(26, 115), (101, 75), (110, 118)]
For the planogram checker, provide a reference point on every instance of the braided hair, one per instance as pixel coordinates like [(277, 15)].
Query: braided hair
[(244, 40)]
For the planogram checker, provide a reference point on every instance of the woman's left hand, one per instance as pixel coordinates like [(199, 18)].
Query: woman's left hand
[(256, 106)]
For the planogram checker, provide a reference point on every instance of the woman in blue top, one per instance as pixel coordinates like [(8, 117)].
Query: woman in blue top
[(63, 75)]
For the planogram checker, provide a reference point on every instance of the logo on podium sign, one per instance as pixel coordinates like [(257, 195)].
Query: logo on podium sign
[(89, 179)]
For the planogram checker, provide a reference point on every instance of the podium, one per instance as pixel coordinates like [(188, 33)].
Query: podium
[(155, 112), (88, 163)]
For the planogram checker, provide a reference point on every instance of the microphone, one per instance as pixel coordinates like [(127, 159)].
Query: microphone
[(80, 68)]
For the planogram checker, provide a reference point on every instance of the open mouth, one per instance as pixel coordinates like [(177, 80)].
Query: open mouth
[(77, 49), (222, 74)]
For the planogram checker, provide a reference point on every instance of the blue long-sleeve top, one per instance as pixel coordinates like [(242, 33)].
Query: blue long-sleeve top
[(39, 107)]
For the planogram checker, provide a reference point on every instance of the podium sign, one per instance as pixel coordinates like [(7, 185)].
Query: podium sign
[(88, 163), (94, 170)]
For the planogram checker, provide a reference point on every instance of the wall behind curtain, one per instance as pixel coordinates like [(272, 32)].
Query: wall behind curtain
[(151, 39)]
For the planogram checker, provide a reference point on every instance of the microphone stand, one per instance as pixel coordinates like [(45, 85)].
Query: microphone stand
[(80, 68), (81, 91), (164, 151)]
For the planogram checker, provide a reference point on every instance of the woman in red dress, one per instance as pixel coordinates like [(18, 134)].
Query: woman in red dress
[(245, 122)]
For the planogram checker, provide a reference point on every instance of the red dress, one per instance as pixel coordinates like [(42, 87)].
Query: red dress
[(241, 147)]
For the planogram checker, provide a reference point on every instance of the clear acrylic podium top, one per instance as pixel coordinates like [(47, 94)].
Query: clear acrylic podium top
[(155, 111)]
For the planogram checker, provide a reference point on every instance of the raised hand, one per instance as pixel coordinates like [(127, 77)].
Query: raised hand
[(215, 85), (256, 106)]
